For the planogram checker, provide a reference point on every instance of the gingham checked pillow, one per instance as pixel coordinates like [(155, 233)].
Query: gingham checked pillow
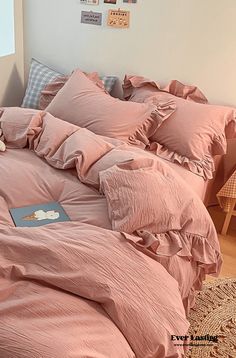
[(109, 82), (41, 75)]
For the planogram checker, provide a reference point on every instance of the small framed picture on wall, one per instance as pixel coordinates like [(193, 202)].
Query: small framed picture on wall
[(89, 2), (118, 18), (130, 1), (110, 1)]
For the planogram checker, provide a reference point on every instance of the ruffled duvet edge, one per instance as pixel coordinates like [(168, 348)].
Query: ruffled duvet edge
[(194, 247)]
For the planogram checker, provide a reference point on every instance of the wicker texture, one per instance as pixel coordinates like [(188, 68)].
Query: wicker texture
[(215, 314)]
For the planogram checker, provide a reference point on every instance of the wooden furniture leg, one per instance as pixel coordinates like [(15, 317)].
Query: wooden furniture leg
[(228, 217)]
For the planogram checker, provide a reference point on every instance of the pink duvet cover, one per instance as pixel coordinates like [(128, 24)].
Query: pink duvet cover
[(195, 182), (78, 289)]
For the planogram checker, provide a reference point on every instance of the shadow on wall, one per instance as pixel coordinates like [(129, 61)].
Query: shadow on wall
[(14, 91)]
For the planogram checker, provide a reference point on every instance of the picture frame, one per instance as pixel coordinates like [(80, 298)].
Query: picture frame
[(89, 2), (110, 2)]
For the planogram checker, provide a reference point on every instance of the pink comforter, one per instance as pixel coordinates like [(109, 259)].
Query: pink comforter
[(98, 265), (83, 287)]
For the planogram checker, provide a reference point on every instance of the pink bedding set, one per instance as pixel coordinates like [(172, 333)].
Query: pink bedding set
[(91, 290)]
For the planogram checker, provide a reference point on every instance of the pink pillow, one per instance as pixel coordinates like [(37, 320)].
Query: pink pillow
[(145, 194), (85, 104), (175, 87), (52, 88), (192, 134)]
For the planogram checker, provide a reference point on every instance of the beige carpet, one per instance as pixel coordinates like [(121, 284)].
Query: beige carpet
[(214, 315)]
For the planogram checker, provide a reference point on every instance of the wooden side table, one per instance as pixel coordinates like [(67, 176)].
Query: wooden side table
[(227, 200)]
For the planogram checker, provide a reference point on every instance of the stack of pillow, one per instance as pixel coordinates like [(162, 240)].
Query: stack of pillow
[(174, 122), (42, 76), (194, 133)]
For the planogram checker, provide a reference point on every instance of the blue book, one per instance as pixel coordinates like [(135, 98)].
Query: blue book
[(38, 215)]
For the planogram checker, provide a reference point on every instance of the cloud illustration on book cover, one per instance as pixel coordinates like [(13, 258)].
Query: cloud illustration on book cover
[(39, 215)]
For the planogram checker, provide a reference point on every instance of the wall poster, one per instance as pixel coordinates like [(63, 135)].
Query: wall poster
[(91, 17), (118, 18)]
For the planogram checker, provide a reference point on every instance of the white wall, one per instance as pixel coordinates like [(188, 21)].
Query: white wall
[(12, 66), (190, 40)]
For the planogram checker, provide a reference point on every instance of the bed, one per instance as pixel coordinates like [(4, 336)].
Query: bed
[(119, 278)]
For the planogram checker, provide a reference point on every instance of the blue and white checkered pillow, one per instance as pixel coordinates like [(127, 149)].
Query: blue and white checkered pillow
[(109, 82), (41, 75)]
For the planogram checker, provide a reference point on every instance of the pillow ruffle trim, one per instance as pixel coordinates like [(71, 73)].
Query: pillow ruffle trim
[(220, 144), (160, 113), (175, 88), (203, 168)]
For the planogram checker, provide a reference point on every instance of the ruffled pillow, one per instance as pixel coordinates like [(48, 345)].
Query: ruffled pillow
[(175, 87), (146, 198), (86, 104), (194, 133)]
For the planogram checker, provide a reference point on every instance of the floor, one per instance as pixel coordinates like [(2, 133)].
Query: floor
[(228, 242)]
